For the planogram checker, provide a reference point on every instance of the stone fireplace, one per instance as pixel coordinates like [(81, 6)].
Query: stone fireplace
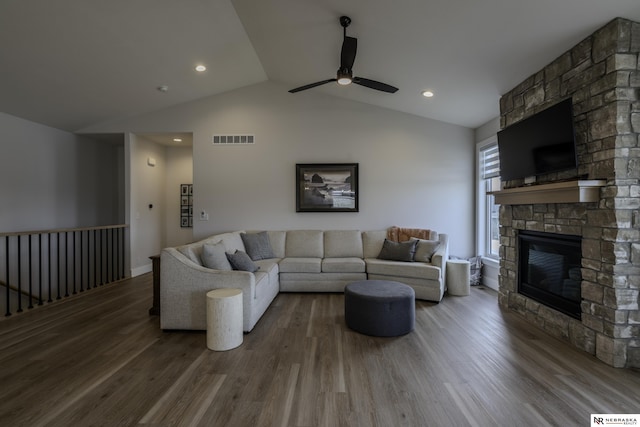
[(602, 75)]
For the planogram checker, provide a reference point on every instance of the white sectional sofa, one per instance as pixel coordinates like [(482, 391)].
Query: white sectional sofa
[(302, 261)]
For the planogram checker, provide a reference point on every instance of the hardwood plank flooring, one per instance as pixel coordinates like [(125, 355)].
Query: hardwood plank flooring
[(99, 360)]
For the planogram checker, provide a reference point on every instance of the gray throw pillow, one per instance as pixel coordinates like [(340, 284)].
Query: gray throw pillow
[(215, 256), (398, 251), (425, 249), (241, 261), (257, 245)]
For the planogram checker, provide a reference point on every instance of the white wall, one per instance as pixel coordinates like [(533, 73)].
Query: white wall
[(54, 179), (147, 188), (487, 130), (414, 172), (179, 171)]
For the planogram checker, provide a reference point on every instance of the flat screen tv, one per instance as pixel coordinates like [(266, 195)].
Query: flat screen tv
[(542, 143)]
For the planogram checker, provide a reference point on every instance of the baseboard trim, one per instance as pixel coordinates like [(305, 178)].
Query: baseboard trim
[(143, 269), (490, 283)]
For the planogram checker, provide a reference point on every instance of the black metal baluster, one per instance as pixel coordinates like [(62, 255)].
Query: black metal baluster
[(30, 275), (66, 264), (113, 255), (81, 261), (58, 257), (41, 258), (121, 252), (120, 275), (117, 252), (19, 276), (107, 249), (73, 259), (50, 278), (6, 245), (95, 260), (100, 257), (108, 258)]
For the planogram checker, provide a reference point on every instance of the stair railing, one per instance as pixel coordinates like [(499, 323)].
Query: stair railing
[(48, 265)]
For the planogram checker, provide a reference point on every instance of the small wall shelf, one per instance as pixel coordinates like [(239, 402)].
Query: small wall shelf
[(582, 191)]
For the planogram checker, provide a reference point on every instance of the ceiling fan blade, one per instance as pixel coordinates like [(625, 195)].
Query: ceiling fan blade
[(348, 54), (309, 86), (372, 84)]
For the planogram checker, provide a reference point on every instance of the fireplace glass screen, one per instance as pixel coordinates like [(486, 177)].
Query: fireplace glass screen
[(549, 270)]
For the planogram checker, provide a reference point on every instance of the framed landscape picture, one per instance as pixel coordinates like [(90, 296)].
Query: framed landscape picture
[(327, 187)]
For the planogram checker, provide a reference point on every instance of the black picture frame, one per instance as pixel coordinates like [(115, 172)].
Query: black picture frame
[(327, 187), (186, 205)]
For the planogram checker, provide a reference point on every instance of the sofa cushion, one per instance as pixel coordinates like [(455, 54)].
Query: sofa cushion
[(193, 252), (257, 245), (304, 243), (402, 269), (342, 243), (403, 251), (343, 265), (241, 261), (270, 266), (214, 256), (300, 265), (425, 249), (277, 239), (372, 242)]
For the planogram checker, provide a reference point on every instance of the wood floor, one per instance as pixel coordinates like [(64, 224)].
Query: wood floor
[(101, 360)]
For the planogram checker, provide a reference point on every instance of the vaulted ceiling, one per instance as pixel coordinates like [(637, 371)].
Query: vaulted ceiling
[(70, 64)]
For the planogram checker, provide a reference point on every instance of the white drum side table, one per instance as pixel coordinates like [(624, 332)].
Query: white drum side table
[(224, 319), (458, 276)]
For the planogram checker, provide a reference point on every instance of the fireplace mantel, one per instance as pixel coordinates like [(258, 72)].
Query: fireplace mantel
[(579, 191)]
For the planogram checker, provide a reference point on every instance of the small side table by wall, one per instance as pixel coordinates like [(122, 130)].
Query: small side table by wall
[(155, 308), (224, 319), (458, 277)]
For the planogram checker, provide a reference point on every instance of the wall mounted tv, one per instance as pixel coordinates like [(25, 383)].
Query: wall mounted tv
[(542, 143)]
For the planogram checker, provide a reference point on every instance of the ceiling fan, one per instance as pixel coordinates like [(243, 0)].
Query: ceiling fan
[(345, 74)]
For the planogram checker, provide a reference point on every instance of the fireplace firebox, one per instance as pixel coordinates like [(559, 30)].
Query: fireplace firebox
[(549, 270)]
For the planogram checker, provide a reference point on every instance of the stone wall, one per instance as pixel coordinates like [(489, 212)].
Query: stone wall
[(602, 75)]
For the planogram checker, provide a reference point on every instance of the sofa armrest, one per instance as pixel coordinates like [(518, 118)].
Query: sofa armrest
[(440, 257), (184, 284)]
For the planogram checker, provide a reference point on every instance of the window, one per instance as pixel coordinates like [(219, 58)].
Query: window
[(487, 210)]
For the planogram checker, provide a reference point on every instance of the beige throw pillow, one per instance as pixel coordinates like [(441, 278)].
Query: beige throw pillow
[(425, 249)]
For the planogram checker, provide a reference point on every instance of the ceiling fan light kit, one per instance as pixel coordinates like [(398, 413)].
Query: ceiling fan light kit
[(345, 73), (344, 77)]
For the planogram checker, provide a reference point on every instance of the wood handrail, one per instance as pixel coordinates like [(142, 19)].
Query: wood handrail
[(62, 230)]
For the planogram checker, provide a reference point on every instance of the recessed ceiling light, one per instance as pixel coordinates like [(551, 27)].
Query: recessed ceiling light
[(163, 88), (427, 94), (177, 139), (200, 68)]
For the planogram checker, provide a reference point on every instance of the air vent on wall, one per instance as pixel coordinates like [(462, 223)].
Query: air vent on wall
[(233, 139)]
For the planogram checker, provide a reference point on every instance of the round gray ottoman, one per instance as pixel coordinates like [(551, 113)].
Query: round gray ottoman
[(380, 308)]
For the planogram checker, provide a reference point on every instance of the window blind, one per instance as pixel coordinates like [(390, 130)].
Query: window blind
[(489, 162)]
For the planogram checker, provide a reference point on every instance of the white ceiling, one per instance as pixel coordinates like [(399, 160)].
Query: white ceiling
[(75, 63)]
